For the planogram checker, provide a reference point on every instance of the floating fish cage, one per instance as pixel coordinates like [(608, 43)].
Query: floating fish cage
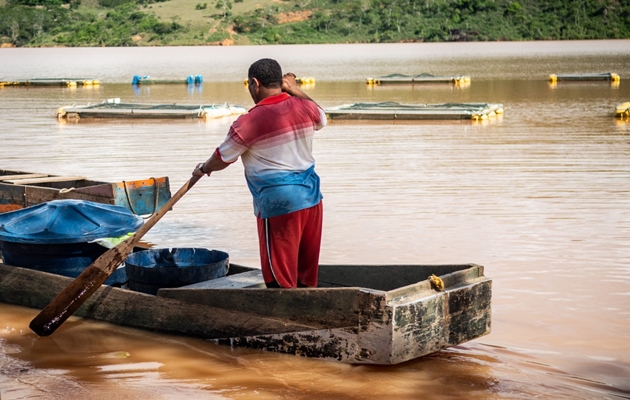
[(623, 110), (603, 77), (418, 79), (113, 108), (60, 82), (146, 79), (397, 111)]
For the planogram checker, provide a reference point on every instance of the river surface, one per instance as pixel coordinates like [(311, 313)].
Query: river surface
[(540, 197)]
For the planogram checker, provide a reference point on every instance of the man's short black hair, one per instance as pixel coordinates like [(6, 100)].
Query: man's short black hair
[(267, 71)]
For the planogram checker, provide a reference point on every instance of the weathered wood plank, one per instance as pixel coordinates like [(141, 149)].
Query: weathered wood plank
[(11, 197), (380, 277), (238, 281), (48, 179), (323, 307), (462, 276), (445, 319), (36, 195), (369, 341), (36, 289), (21, 176), (98, 189)]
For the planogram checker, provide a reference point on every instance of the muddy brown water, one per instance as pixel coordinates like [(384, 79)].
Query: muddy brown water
[(540, 197)]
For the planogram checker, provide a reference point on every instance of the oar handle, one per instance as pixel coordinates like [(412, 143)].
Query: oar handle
[(148, 224), (83, 286)]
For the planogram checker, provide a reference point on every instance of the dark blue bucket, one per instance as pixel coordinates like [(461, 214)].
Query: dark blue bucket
[(61, 259), (150, 270)]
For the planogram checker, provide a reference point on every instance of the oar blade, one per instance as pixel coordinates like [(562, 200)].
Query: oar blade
[(80, 289), (74, 295)]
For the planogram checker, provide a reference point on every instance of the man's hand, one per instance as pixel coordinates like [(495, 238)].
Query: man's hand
[(289, 84), (214, 163), (198, 171)]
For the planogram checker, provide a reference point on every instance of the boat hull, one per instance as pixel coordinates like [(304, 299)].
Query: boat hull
[(399, 318)]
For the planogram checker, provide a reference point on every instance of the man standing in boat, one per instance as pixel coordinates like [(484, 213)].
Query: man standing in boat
[(275, 140)]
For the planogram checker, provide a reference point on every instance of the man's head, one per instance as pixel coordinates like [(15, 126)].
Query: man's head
[(268, 73)]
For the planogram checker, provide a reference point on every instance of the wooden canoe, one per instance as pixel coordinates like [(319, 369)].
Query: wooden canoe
[(19, 189), (359, 314)]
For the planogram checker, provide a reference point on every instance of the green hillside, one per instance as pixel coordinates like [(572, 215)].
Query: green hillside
[(227, 22)]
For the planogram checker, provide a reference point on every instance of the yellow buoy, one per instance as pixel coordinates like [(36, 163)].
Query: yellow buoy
[(622, 110), (305, 81)]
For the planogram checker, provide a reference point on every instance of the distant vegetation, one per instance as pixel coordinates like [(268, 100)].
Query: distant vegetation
[(189, 22)]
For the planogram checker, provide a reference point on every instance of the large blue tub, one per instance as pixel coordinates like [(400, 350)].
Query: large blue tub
[(55, 236)]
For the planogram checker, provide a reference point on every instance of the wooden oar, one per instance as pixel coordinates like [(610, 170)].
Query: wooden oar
[(83, 286)]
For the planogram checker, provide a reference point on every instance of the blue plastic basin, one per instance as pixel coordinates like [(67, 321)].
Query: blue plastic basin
[(150, 270)]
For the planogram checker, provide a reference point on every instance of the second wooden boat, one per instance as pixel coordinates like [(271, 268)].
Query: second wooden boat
[(20, 189)]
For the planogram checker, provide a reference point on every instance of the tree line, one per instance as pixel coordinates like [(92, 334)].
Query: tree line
[(63, 22)]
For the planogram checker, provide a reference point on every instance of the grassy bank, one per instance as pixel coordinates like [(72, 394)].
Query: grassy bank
[(227, 22)]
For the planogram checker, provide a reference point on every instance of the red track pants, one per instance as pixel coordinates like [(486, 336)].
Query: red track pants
[(289, 247)]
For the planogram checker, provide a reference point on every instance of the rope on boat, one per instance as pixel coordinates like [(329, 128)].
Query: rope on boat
[(436, 282)]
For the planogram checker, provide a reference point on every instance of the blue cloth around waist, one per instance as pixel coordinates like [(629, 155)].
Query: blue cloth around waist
[(284, 192)]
